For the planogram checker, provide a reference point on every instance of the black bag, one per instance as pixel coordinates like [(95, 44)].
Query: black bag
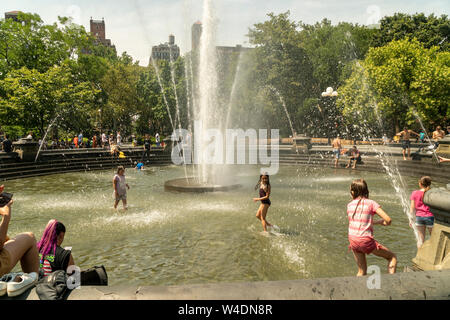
[(53, 287), (95, 276)]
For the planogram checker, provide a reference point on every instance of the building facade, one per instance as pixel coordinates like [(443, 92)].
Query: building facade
[(12, 15), (196, 33), (167, 51), (98, 30)]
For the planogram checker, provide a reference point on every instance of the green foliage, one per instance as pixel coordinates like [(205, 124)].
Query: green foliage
[(61, 70), (430, 31), (400, 81), (33, 99)]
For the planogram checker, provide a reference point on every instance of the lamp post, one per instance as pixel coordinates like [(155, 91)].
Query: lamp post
[(100, 120), (328, 93)]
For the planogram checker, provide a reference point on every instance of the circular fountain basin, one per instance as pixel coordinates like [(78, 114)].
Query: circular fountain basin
[(191, 184)]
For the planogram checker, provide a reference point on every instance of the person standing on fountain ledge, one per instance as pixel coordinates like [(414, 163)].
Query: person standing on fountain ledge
[(405, 135), (120, 188), (424, 217), (337, 146), (360, 212), (264, 193)]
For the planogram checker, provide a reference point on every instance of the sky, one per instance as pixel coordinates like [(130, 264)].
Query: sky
[(135, 26)]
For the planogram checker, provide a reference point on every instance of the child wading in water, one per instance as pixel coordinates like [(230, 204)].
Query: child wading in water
[(264, 193), (120, 188), (424, 217), (360, 212)]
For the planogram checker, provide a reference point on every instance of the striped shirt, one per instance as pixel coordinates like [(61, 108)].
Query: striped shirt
[(361, 223)]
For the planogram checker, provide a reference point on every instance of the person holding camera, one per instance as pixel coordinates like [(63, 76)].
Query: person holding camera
[(21, 248)]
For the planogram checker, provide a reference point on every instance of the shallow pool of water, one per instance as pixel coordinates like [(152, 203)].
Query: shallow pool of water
[(168, 238)]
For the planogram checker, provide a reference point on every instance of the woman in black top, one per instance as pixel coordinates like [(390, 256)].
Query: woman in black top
[(264, 193), (52, 257)]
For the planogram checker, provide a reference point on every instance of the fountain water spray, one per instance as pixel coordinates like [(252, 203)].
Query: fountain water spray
[(208, 82), (233, 89), (391, 168), (284, 106), (45, 136), (163, 94)]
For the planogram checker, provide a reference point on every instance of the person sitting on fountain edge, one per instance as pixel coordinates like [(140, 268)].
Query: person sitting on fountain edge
[(442, 159), (51, 256), (21, 248), (424, 217), (360, 213), (354, 156)]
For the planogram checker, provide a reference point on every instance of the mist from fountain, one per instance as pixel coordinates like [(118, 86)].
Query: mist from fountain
[(163, 94), (233, 89), (172, 76), (189, 94)]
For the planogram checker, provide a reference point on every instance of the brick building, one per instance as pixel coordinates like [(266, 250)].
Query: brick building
[(98, 30)]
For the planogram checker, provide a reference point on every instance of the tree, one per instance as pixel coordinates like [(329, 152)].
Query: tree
[(430, 31), (400, 81), (282, 68), (119, 86), (33, 99)]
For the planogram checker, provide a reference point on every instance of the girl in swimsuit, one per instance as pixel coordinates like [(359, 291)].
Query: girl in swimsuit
[(264, 193)]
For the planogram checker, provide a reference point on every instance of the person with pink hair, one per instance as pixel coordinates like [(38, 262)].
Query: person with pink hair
[(51, 256)]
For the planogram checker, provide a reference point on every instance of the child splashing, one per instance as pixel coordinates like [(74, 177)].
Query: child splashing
[(120, 188), (264, 193), (360, 212)]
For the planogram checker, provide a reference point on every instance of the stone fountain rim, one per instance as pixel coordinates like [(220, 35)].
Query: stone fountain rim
[(181, 186)]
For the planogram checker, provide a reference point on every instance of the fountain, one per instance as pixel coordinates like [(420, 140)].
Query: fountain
[(444, 147), (27, 149), (208, 117)]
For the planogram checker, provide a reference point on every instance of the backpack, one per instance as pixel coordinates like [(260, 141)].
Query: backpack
[(53, 287), (95, 276)]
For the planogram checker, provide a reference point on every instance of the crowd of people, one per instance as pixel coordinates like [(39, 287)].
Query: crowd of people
[(103, 140), (404, 137)]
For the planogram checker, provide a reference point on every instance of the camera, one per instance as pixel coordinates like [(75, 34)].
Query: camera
[(5, 198)]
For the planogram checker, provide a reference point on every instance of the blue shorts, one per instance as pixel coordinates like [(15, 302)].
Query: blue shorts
[(337, 153), (425, 221)]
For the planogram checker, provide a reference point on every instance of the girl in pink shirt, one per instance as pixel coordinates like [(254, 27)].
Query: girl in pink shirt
[(360, 214), (424, 217)]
